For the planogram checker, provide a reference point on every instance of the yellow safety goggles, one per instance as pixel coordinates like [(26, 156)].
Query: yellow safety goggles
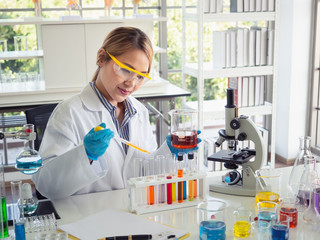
[(127, 73)]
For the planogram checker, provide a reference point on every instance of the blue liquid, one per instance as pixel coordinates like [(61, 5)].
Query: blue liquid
[(19, 231), (213, 230), (184, 190), (267, 216), (28, 165), (280, 232)]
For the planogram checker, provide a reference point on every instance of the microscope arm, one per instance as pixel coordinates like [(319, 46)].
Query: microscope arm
[(249, 129)]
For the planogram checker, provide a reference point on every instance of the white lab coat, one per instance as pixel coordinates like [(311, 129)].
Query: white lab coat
[(67, 170)]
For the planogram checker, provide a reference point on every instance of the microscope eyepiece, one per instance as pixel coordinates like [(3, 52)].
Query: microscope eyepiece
[(230, 98)]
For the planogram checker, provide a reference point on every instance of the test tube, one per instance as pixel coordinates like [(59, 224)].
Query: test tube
[(169, 191), (195, 182), (161, 188), (17, 210), (138, 174), (148, 176), (172, 173), (190, 171), (180, 175)]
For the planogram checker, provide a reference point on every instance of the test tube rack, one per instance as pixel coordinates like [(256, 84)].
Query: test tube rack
[(141, 207)]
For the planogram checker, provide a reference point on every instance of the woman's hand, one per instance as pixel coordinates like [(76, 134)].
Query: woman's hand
[(97, 141)]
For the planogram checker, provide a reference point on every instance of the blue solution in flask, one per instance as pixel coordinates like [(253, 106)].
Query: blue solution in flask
[(29, 161), (267, 216), (19, 231), (280, 232), (212, 229)]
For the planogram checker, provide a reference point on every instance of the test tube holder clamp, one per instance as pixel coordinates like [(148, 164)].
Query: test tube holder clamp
[(141, 207)]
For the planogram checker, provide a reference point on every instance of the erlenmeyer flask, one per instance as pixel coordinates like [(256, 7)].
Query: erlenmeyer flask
[(29, 160), (298, 167), (308, 178), (311, 214)]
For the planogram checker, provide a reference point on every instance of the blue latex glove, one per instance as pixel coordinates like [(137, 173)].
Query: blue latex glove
[(96, 143), (178, 150)]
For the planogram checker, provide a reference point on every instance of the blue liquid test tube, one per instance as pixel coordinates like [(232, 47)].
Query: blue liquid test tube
[(17, 210)]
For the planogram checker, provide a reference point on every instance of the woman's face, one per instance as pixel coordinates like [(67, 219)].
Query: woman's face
[(112, 86)]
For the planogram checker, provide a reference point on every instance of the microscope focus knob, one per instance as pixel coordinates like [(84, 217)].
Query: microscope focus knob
[(235, 124), (242, 136)]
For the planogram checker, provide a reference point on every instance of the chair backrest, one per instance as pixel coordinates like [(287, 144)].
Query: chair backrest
[(39, 117)]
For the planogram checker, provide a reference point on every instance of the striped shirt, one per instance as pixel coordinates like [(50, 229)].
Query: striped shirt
[(129, 112)]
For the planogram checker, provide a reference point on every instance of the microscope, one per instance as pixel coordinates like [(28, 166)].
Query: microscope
[(238, 129)]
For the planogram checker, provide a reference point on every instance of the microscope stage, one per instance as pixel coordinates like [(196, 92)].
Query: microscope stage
[(239, 157)]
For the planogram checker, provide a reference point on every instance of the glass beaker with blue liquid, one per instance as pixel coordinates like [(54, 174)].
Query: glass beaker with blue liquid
[(211, 217), (29, 160), (267, 211), (280, 228)]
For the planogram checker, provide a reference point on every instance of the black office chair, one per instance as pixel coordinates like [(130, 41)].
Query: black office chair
[(39, 117)]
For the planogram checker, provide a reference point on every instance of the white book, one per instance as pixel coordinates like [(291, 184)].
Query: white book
[(251, 93), (257, 91), (245, 46), (257, 45), (270, 47), (252, 5), (219, 49), (252, 47), (206, 6), (264, 46), (246, 5), (264, 5), (271, 7), (213, 6), (233, 48), (240, 47), (228, 49), (262, 88), (258, 5), (245, 91), (219, 6), (239, 91)]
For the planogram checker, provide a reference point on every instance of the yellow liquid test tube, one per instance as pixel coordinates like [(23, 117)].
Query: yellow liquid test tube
[(191, 191), (174, 192)]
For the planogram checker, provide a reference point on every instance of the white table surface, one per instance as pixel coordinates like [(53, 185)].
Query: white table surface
[(77, 207)]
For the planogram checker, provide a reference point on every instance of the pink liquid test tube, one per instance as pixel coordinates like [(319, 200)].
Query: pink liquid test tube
[(169, 191)]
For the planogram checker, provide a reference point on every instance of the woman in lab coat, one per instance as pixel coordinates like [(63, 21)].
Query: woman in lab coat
[(78, 159)]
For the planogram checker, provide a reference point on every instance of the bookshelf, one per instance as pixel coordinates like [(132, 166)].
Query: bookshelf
[(203, 69)]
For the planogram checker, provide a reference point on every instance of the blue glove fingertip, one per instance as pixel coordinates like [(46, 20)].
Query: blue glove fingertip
[(102, 125)]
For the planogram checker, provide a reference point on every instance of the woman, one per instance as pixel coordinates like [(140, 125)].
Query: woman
[(78, 159)]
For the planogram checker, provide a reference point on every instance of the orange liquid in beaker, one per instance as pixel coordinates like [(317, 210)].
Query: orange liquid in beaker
[(267, 196), (184, 139)]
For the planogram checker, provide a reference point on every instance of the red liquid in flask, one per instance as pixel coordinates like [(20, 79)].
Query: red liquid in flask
[(184, 139), (292, 213)]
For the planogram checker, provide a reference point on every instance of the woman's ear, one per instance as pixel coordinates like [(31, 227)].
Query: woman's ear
[(101, 57)]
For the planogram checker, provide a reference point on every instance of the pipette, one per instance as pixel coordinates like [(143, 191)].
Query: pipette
[(123, 141)]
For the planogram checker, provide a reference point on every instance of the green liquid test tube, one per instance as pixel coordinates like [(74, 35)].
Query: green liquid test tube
[(4, 231)]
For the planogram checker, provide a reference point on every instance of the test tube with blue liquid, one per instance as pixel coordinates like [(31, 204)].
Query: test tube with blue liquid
[(17, 210)]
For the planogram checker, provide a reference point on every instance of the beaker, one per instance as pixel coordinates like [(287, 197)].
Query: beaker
[(311, 214), (260, 230), (28, 161), (268, 185), (184, 128), (211, 218), (267, 211), (280, 228), (288, 207), (242, 226)]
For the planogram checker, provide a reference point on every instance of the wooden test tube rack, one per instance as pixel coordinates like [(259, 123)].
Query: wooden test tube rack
[(140, 208)]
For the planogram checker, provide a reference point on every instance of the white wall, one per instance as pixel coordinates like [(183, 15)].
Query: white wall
[(293, 75)]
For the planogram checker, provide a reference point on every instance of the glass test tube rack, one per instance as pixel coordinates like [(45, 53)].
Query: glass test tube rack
[(139, 192)]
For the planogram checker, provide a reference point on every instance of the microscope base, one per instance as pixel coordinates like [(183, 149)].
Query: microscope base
[(239, 190)]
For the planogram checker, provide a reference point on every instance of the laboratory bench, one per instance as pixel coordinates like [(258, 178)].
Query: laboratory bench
[(78, 207)]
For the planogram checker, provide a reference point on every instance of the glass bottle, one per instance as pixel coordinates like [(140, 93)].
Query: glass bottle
[(311, 214), (308, 178), (28, 161), (298, 167)]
